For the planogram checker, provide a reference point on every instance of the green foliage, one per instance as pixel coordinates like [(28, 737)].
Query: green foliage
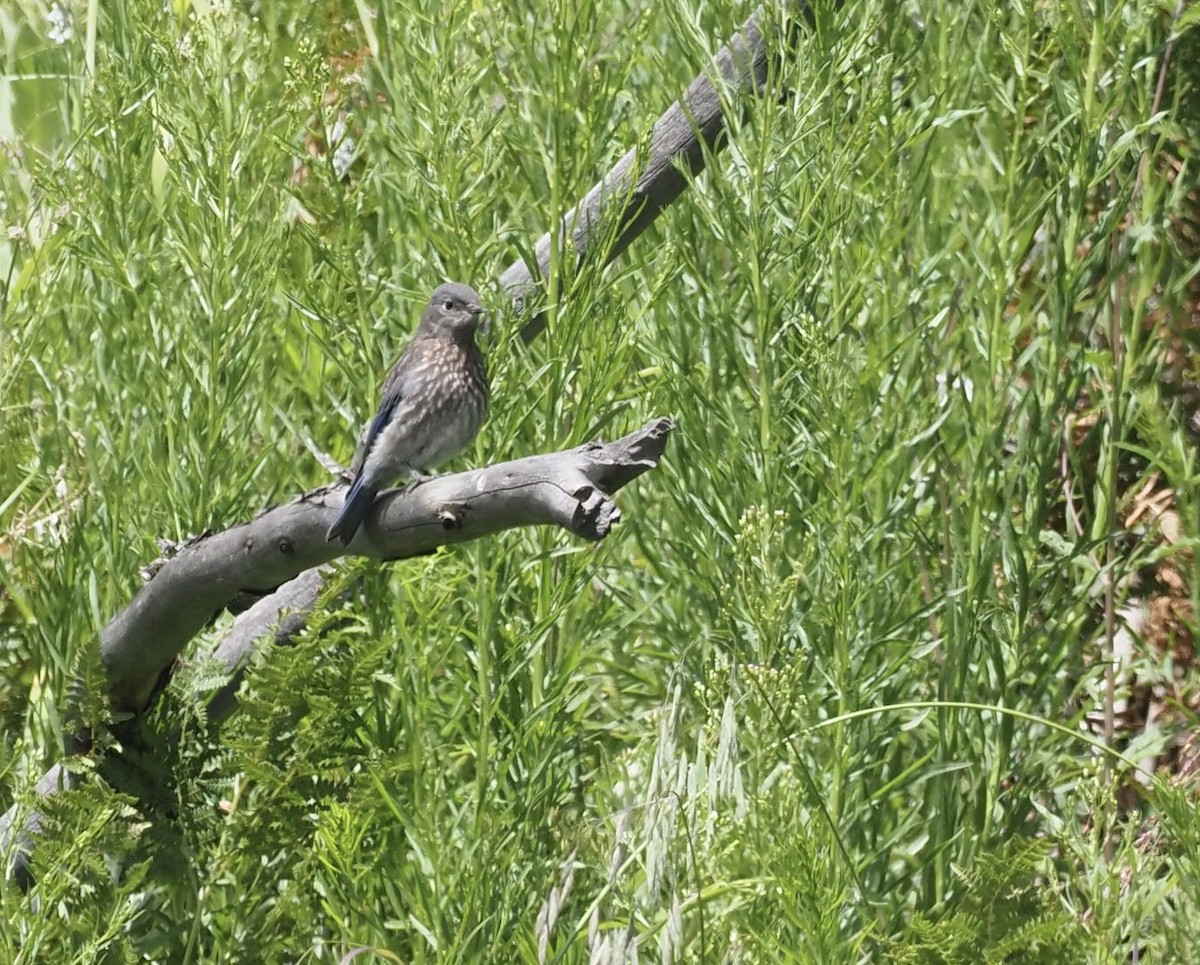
[(813, 700), (1003, 913)]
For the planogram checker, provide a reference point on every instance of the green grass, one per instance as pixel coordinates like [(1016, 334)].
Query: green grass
[(820, 697)]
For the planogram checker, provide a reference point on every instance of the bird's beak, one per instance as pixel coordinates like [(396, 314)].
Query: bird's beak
[(482, 320)]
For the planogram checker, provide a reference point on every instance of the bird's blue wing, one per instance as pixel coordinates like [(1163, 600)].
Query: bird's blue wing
[(392, 395), (387, 408)]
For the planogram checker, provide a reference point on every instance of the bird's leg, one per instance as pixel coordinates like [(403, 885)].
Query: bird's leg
[(418, 477)]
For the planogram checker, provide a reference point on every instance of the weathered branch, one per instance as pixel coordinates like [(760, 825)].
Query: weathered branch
[(284, 550), (627, 200), (570, 489), (276, 618)]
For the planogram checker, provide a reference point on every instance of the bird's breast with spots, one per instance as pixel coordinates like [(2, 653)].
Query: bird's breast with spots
[(444, 399)]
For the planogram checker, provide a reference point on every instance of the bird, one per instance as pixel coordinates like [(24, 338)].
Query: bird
[(432, 404)]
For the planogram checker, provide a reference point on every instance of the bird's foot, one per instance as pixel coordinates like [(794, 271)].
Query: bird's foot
[(418, 477)]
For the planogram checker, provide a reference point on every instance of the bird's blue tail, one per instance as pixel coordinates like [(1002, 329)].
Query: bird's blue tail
[(359, 501)]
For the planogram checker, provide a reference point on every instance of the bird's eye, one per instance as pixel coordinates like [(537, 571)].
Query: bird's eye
[(447, 304)]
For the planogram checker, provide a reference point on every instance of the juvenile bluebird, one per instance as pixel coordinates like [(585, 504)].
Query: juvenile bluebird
[(434, 401)]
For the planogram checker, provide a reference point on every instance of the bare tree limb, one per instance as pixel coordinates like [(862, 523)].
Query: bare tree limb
[(627, 200), (286, 547), (570, 489), (276, 618), (16, 841)]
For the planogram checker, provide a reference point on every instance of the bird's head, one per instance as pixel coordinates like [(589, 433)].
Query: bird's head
[(453, 312)]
